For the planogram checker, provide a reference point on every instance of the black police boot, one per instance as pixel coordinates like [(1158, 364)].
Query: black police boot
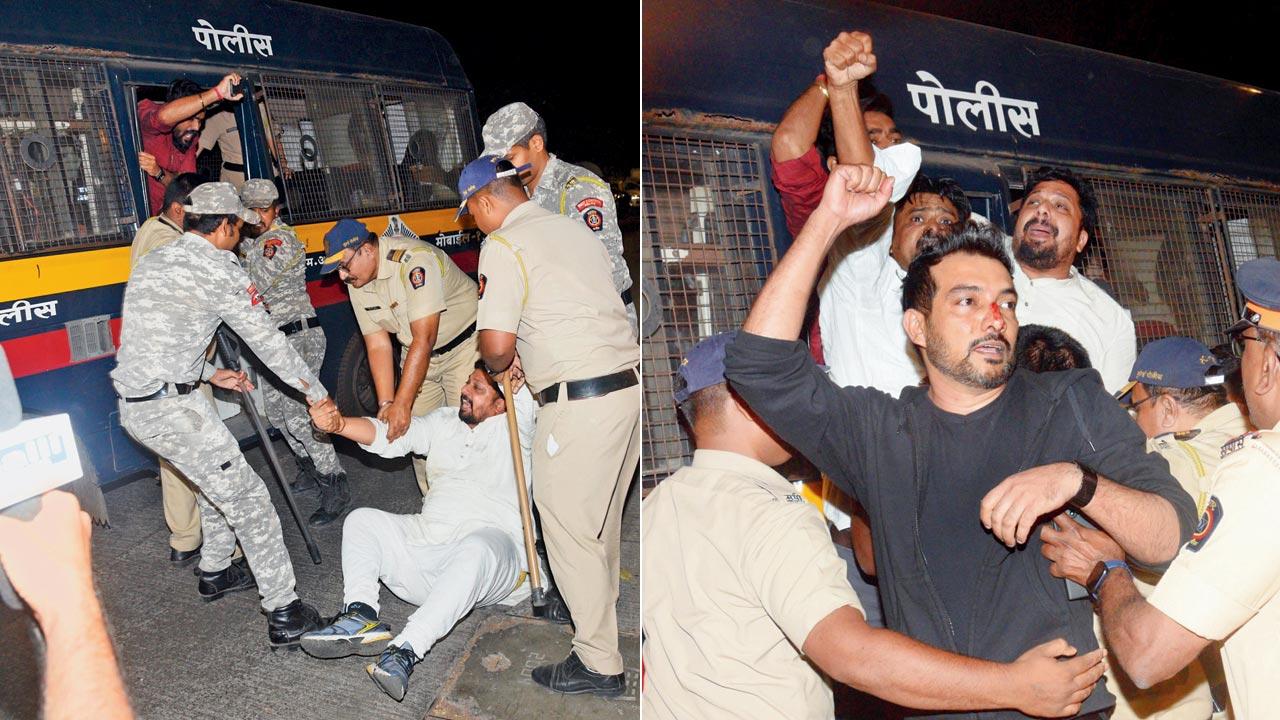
[(306, 478), (335, 496), (286, 625), (571, 677), (235, 578), (556, 610), (183, 558)]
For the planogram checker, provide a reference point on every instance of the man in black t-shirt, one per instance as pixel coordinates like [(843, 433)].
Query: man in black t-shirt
[(956, 476)]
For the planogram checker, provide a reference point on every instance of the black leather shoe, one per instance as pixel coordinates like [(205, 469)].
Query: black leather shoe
[(183, 558), (335, 498), (286, 625), (556, 610), (571, 677), (235, 578), (306, 478)]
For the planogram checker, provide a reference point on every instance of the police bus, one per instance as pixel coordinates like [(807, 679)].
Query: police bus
[(1185, 166), (353, 116)]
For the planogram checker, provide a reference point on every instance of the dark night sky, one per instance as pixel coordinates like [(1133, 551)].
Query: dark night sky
[(568, 63), (1230, 40)]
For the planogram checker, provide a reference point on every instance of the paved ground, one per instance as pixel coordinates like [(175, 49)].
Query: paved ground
[(183, 658)]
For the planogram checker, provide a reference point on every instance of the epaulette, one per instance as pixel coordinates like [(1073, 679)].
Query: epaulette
[(395, 255), (571, 182), (1236, 443), (1186, 435)]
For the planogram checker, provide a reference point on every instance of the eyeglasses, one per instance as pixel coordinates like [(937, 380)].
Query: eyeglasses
[(1238, 340), (345, 267), (1133, 406)]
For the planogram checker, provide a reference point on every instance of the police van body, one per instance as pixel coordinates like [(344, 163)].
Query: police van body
[(1185, 166), (338, 100)]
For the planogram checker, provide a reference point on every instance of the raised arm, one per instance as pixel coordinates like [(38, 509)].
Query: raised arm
[(848, 59)]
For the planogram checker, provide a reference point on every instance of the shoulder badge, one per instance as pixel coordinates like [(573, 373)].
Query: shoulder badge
[(1209, 521), (594, 219), (571, 182), (417, 277), (589, 202), (480, 281), (395, 255), (1236, 443), (1186, 435), (254, 297), (270, 246)]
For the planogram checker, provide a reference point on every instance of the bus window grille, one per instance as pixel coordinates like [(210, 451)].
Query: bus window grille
[(1251, 222), (334, 147), (431, 140), (90, 338), (63, 179), (1158, 253), (707, 248)]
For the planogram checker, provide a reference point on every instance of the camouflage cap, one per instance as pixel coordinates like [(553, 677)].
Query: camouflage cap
[(510, 124), (258, 193), (219, 198)]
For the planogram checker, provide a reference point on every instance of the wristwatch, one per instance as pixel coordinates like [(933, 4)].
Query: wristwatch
[(1099, 575), (1088, 485)]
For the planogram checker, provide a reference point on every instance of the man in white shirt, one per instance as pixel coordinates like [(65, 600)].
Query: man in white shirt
[(1058, 218), (463, 550)]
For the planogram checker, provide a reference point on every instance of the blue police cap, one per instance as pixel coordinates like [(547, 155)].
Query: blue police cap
[(1259, 282), (703, 365), (1174, 362), (347, 233), (480, 172)]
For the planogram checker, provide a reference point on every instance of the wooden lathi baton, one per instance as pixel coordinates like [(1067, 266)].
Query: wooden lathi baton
[(536, 597)]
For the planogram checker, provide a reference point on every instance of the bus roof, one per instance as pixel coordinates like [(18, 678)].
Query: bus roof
[(259, 34), (751, 58)]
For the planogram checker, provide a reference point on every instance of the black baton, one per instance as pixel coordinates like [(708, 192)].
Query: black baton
[(232, 360)]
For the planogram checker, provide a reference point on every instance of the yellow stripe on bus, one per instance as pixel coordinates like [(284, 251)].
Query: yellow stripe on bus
[(81, 270)]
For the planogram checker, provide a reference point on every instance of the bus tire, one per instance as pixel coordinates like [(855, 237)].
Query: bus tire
[(355, 394)]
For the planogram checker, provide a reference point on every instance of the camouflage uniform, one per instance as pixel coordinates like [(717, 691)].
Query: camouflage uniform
[(568, 189), (176, 298), (276, 262)]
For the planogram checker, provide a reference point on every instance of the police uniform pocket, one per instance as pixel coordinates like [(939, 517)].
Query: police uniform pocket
[(162, 417)]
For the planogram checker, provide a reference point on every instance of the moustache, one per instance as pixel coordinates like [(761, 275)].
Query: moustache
[(1053, 229)]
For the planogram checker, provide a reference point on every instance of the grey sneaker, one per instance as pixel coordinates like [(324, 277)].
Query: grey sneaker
[(355, 632)]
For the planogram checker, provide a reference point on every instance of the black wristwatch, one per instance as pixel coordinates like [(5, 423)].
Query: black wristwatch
[(1088, 485), (159, 176), (1099, 575)]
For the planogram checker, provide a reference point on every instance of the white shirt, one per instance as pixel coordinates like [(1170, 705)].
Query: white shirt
[(860, 299), (473, 480), (1087, 313)]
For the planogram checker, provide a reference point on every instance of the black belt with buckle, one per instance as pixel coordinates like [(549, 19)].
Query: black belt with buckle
[(233, 167), (298, 326), (593, 387), (456, 341), (178, 389)]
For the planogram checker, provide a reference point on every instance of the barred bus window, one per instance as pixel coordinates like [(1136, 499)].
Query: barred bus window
[(1158, 252), (707, 245), (431, 140), (1252, 220), (62, 174), (334, 147)]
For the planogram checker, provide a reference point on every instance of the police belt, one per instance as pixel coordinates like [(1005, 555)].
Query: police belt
[(165, 391), (298, 326), (233, 167), (592, 387), (456, 341)]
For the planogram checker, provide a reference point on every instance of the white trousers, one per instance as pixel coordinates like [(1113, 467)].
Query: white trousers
[(444, 581)]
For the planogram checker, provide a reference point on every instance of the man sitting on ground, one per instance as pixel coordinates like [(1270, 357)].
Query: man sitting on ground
[(463, 550)]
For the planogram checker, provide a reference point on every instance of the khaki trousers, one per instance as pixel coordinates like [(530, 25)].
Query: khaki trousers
[(442, 386), (178, 496), (584, 455)]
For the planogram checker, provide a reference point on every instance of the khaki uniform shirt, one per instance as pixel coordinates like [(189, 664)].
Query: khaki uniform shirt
[(415, 280), (155, 232), (737, 571), (545, 278), (1195, 455), (221, 130), (1223, 583)]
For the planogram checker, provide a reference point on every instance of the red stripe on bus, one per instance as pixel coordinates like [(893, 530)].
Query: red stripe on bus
[(49, 351)]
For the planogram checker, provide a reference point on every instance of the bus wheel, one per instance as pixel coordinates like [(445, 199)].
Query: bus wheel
[(355, 394)]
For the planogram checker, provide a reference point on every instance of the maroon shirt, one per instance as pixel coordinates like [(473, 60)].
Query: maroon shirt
[(800, 183), (157, 139)]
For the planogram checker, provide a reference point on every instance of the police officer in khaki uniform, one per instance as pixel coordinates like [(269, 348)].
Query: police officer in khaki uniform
[(1222, 586), (177, 494), (545, 292), (519, 134), (735, 624), (411, 289)]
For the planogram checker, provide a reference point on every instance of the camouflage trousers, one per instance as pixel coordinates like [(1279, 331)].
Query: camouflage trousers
[(234, 503), (287, 410)]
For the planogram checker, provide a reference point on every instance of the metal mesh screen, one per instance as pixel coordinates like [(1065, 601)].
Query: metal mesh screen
[(1157, 252), (1251, 223), (334, 146), (63, 175), (431, 140), (708, 248)]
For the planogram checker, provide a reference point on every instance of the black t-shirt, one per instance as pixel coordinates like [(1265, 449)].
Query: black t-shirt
[(965, 456)]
